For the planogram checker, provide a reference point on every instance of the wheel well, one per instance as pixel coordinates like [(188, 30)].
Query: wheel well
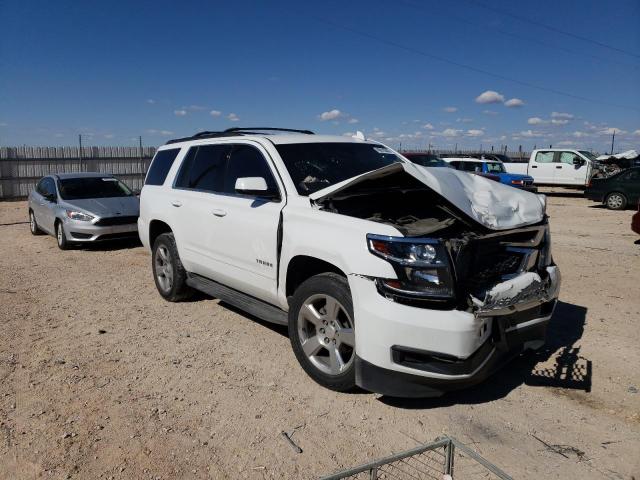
[(302, 268), (157, 228)]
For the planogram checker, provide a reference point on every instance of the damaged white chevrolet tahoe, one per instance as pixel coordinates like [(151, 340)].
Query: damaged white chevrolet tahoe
[(403, 280)]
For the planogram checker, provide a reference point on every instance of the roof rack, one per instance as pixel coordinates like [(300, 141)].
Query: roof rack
[(267, 129), (237, 131)]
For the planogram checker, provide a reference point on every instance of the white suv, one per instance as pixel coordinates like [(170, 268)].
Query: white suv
[(401, 279)]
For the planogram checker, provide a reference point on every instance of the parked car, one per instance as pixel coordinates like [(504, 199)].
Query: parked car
[(426, 159), (616, 191), (83, 208), (635, 221), (490, 167), (401, 279), (555, 166)]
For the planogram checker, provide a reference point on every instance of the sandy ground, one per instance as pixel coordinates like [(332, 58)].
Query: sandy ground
[(101, 378)]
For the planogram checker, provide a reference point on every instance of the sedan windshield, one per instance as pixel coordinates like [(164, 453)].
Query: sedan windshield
[(92, 187), (314, 166), (495, 167)]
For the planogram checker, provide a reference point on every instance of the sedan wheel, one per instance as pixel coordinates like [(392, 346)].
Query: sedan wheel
[(61, 238), (616, 201)]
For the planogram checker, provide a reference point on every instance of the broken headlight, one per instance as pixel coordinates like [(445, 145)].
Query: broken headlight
[(421, 265)]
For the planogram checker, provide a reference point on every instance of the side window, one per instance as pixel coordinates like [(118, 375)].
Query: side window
[(631, 176), (567, 157), (472, 166), (544, 157), (247, 161), (40, 186), (203, 168), (160, 166), (455, 165), (48, 187)]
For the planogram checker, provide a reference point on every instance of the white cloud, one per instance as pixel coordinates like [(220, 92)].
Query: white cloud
[(530, 134), (636, 133), (578, 134), (353, 120), (215, 113), (450, 109), (232, 117), (474, 133), (611, 131), (451, 132), (330, 115), (567, 116), (489, 112), (151, 101), (153, 131), (536, 121), (109, 135), (565, 143), (427, 126), (559, 121), (490, 96), (514, 102), (179, 113), (166, 133), (464, 120)]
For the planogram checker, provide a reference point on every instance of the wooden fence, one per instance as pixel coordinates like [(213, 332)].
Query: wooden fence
[(22, 167)]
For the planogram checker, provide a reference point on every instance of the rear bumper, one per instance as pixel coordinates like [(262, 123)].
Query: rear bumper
[(405, 351)]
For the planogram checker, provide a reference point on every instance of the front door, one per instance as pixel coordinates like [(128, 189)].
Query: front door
[(567, 173)]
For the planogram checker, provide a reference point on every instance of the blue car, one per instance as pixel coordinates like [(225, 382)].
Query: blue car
[(493, 167)]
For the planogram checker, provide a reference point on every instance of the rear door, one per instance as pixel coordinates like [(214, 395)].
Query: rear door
[(566, 173), (542, 167), (630, 181)]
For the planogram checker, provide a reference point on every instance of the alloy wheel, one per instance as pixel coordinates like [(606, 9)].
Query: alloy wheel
[(326, 333), (615, 201), (32, 222), (164, 268), (59, 235)]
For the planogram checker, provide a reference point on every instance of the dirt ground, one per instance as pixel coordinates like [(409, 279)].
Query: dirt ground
[(101, 378)]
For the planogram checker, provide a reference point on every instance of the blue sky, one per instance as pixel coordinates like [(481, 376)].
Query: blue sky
[(410, 71)]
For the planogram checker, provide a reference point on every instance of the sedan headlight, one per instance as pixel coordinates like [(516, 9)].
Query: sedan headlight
[(421, 264), (74, 215)]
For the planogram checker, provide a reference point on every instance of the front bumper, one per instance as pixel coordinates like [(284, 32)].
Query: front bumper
[(406, 351), (87, 232)]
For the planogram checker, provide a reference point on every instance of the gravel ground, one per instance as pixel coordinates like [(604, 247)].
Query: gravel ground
[(101, 378)]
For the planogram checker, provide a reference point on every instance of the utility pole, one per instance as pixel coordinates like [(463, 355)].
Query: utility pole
[(80, 150), (613, 139)]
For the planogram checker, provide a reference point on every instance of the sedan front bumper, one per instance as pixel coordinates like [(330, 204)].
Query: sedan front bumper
[(87, 232)]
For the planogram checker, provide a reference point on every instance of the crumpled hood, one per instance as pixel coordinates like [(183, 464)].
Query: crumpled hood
[(496, 206), (108, 207)]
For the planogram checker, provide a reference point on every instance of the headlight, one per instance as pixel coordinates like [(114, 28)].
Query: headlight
[(421, 265), (73, 215)]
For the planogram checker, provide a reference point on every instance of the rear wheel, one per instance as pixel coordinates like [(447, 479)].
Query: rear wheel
[(322, 331), (616, 201), (168, 273), (33, 225), (61, 237)]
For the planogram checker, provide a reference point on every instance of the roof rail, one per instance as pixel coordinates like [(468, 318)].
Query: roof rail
[(205, 134), (267, 129)]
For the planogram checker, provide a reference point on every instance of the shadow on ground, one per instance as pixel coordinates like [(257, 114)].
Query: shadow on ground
[(108, 246), (570, 370)]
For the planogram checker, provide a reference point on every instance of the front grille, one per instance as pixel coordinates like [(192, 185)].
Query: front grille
[(110, 221), (114, 236)]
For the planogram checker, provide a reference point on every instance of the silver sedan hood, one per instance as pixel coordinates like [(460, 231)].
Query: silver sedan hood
[(496, 206), (107, 207)]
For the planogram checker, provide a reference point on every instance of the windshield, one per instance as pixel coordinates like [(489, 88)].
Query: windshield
[(92, 187), (314, 166), (589, 155), (495, 167), (427, 160)]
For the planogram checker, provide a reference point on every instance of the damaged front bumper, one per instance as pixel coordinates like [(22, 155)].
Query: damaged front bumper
[(450, 350)]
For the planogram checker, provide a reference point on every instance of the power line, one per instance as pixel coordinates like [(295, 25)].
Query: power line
[(551, 28), (462, 65), (523, 37)]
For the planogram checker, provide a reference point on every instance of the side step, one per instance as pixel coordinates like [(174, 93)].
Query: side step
[(247, 303)]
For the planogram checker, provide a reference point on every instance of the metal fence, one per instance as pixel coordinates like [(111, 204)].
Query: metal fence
[(22, 167)]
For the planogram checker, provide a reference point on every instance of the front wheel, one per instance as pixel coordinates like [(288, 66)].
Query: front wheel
[(61, 237), (168, 273), (322, 331), (616, 201)]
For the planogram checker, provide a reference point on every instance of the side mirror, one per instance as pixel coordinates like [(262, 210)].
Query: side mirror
[(51, 198), (578, 161), (254, 186)]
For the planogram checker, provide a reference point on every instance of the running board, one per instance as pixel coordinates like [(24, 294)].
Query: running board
[(263, 310)]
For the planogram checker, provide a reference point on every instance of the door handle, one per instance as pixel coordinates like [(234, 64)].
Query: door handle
[(218, 212), (558, 166), (534, 166), (176, 203)]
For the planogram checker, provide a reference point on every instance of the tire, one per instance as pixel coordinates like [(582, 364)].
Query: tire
[(33, 225), (61, 237), (168, 273), (324, 341), (616, 201)]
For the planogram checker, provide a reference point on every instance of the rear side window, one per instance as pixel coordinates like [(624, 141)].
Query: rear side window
[(203, 168), (160, 166), (544, 157), (471, 166), (247, 161)]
